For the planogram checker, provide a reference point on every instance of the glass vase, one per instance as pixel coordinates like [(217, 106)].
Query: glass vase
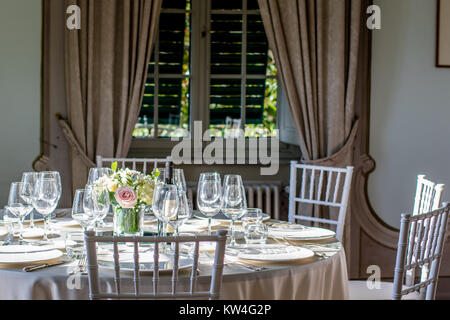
[(129, 221)]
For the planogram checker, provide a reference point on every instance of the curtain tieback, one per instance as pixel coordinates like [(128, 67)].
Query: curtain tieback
[(75, 146), (338, 158)]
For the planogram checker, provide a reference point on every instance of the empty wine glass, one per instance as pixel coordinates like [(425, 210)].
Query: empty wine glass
[(46, 199), (79, 214), (18, 206), (29, 180), (97, 202), (184, 212), (209, 196), (179, 180), (97, 173), (57, 177), (234, 203), (165, 203)]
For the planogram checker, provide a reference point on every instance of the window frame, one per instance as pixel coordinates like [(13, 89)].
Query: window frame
[(200, 78)]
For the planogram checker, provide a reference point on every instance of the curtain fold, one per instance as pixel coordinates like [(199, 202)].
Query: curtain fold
[(106, 64), (316, 47)]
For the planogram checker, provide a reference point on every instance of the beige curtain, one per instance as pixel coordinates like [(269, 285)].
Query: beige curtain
[(106, 64), (316, 44)]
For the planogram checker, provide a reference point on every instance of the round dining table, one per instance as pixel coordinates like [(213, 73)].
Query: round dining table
[(321, 277)]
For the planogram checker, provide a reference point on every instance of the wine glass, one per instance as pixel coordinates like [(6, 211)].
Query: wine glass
[(179, 180), (29, 180), (184, 212), (165, 203), (83, 217), (46, 199), (209, 196), (97, 202), (57, 177), (18, 206), (97, 173), (234, 202)]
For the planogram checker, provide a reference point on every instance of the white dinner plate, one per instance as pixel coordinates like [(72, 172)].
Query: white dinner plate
[(296, 232), (273, 253), (146, 264), (195, 225), (222, 218), (37, 219), (22, 255), (63, 224)]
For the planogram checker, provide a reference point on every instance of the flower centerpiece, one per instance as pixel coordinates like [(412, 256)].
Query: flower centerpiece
[(130, 193)]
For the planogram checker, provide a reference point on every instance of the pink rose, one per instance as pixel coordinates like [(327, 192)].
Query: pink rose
[(126, 197)]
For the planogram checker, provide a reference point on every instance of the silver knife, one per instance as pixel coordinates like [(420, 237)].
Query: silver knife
[(42, 266)]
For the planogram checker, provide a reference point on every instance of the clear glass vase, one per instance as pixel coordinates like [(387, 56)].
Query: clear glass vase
[(129, 221)]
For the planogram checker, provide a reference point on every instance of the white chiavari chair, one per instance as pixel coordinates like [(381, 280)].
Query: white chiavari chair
[(421, 243), (428, 195), (428, 198), (323, 186), (168, 288), (145, 165)]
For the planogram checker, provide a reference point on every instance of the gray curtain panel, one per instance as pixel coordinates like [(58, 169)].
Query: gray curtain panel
[(106, 64), (316, 47)]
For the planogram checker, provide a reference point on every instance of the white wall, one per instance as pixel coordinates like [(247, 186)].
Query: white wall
[(20, 81), (410, 117)]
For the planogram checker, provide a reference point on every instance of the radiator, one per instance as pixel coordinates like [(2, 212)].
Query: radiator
[(265, 196)]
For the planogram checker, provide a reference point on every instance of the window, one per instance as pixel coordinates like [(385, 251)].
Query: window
[(211, 62)]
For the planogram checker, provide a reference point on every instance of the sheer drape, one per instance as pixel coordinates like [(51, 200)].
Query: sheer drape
[(106, 64)]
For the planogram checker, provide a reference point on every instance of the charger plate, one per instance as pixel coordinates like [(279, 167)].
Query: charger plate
[(16, 255)]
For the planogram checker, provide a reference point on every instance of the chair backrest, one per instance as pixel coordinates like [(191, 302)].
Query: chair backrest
[(325, 186), (217, 270), (420, 244), (428, 195), (145, 165)]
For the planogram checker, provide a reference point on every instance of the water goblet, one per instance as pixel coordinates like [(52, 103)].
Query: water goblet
[(234, 203), (29, 180), (184, 212), (209, 196), (18, 206), (46, 199)]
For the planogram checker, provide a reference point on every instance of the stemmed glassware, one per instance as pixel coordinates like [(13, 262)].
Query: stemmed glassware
[(96, 202), (209, 196), (94, 175), (83, 209), (165, 203), (97, 173), (18, 206), (179, 180), (29, 180), (184, 212), (234, 204), (47, 194), (57, 178)]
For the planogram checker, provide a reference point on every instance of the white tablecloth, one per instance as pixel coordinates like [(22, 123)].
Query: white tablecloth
[(319, 279)]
